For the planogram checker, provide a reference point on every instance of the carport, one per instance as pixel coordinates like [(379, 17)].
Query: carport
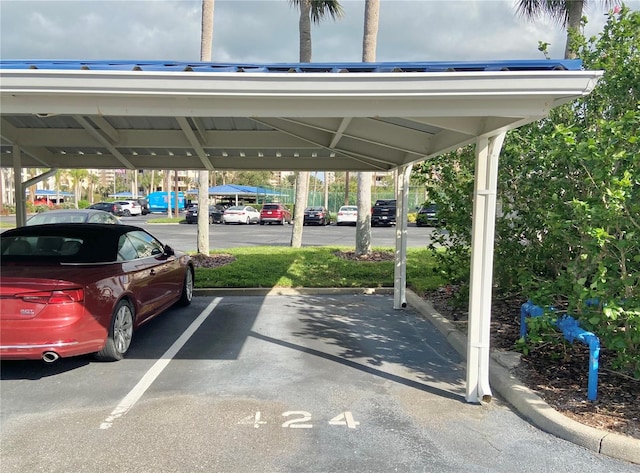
[(315, 117)]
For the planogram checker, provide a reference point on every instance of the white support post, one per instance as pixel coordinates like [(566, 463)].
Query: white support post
[(400, 269), (483, 231), (21, 204)]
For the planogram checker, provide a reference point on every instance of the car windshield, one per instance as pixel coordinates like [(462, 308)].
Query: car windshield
[(270, 207), (236, 207), (313, 209), (348, 209)]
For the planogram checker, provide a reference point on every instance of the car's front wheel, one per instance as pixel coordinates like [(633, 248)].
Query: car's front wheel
[(127, 213), (120, 333), (187, 289)]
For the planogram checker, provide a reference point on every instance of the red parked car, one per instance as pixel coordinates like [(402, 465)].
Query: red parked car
[(275, 213), (72, 289)]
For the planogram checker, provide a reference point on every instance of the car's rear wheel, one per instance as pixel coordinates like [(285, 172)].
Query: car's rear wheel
[(127, 213), (210, 219), (187, 289), (120, 333)]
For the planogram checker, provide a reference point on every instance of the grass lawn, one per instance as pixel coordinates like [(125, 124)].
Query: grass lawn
[(268, 266)]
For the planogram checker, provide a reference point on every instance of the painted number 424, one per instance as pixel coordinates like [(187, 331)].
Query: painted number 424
[(302, 420)]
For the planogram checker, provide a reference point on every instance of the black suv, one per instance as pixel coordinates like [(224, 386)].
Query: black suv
[(427, 216), (111, 207), (383, 212), (316, 215), (144, 204)]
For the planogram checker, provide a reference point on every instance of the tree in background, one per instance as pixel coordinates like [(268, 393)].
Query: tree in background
[(569, 188), (206, 42), (567, 13), (310, 11), (369, 45), (76, 176)]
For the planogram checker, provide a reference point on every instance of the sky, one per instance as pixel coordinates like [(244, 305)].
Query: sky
[(266, 31)]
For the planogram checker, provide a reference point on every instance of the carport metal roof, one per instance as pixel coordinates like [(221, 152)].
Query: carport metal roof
[(333, 117), (325, 117)]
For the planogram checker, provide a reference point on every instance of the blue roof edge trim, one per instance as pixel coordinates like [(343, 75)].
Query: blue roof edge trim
[(333, 67)]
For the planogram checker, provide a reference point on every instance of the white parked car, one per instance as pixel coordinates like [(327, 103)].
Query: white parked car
[(130, 207), (347, 215), (241, 214)]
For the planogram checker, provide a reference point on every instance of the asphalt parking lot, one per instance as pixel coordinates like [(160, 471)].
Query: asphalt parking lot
[(313, 383), (184, 236)]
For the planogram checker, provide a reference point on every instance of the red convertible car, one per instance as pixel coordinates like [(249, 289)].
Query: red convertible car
[(72, 289)]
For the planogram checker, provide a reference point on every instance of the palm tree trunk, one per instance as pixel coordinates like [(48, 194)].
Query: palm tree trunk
[(168, 188), (302, 177), (369, 45), (304, 27), (206, 40), (574, 22), (302, 192)]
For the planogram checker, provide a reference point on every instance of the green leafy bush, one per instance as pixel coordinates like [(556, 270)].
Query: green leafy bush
[(569, 188)]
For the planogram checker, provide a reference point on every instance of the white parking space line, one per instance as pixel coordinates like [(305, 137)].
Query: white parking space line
[(139, 389)]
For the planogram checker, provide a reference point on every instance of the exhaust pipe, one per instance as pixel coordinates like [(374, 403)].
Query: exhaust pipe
[(50, 356)]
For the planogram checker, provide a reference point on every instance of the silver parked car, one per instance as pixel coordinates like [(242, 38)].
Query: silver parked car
[(73, 216)]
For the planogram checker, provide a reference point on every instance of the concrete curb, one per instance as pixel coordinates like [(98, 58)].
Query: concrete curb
[(287, 291), (529, 404)]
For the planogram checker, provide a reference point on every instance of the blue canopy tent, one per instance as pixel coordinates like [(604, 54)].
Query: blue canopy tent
[(252, 193), (49, 195)]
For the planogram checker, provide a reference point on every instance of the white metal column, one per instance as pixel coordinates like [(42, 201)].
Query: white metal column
[(483, 232), (400, 270)]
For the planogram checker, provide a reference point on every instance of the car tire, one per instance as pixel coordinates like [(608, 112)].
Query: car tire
[(120, 333), (261, 222), (126, 213), (210, 219), (187, 289)]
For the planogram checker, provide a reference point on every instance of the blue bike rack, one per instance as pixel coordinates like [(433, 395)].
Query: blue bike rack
[(571, 331)]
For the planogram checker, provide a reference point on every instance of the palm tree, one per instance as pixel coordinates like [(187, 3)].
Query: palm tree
[(568, 13), (316, 11), (93, 180), (206, 40), (369, 44)]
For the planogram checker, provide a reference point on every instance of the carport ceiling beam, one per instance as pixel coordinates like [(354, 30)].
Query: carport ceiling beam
[(103, 141), (374, 132), (11, 134), (105, 126), (195, 143), (338, 134), (316, 138)]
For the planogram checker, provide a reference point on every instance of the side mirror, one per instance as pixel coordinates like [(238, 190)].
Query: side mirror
[(168, 251)]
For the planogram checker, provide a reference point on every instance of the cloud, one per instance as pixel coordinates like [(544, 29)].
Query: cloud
[(267, 31)]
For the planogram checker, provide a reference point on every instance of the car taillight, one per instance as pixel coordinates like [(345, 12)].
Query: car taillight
[(53, 297)]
